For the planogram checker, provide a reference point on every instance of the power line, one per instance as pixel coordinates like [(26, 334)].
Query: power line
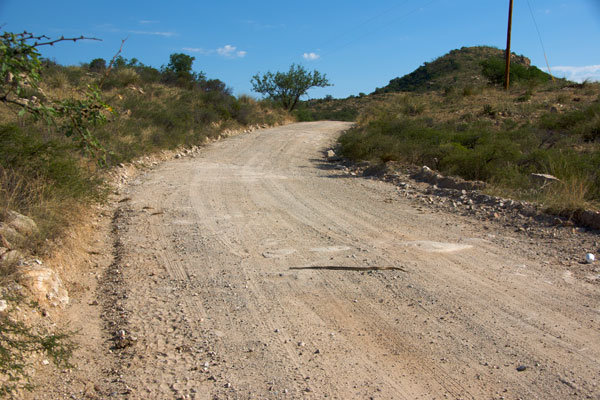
[(540, 37), (393, 21), (365, 22)]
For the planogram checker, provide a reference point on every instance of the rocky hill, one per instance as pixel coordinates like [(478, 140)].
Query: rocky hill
[(468, 66)]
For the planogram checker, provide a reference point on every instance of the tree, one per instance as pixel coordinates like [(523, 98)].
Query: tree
[(179, 70), (180, 63), (288, 87), (98, 65)]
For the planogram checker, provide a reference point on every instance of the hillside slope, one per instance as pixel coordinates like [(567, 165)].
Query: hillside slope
[(458, 68)]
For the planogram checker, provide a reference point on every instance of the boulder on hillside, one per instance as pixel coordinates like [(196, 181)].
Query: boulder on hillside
[(15, 227)]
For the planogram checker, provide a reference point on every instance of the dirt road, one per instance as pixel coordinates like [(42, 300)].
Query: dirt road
[(258, 270)]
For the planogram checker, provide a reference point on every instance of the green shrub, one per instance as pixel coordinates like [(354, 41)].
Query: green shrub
[(120, 78), (502, 154), (584, 122), (494, 70)]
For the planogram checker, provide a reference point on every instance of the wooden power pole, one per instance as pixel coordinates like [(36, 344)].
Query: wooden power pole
[(507, 70)]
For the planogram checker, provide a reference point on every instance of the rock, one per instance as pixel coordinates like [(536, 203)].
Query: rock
[(44, 284), (10, 235), (10, 259), (3, 305), (17, 226), (521, 368), (330, 153), (426, 174), (543, 179), (588, 218)]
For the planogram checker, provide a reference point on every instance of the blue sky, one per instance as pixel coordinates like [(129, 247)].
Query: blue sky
[(360, 45)]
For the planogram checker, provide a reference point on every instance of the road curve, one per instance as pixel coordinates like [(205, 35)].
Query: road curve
[(258, 270)]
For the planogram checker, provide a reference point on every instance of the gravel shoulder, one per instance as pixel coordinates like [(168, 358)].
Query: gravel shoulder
[(255, 269)]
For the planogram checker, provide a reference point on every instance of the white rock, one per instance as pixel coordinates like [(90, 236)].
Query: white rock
[(544, 179), (590, 258), (3, 305), (44, 284)]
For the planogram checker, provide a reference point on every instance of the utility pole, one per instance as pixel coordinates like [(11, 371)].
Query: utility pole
[(507, 70)]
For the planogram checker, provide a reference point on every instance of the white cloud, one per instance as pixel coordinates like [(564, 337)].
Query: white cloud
[(230, 51), (165, 34), (311, 56), (578, 74), (198, 50)]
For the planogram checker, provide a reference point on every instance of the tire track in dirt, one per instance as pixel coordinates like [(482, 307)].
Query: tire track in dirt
[(220, 314)]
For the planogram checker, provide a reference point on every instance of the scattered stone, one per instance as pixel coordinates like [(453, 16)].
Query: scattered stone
[(521, 368), (426, 174), (123, 339), (3, 305)]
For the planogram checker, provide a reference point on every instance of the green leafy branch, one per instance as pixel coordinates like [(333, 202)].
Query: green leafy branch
[(20, 71)]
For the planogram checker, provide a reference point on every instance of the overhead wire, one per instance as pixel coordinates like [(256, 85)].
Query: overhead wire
[(393, 21), (365, 22), (540, 38)]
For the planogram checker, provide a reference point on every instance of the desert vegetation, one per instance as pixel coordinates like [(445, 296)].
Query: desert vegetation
[(48, 169), (472, 128)]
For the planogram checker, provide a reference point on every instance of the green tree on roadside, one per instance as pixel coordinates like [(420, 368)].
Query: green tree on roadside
[(287, 87)]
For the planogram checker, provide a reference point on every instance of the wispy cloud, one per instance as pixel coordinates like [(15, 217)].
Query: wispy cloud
[(578, 74), (227, 51), (198, 50), (147, 22), (230, 51), (311, 56), (154, 33)]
